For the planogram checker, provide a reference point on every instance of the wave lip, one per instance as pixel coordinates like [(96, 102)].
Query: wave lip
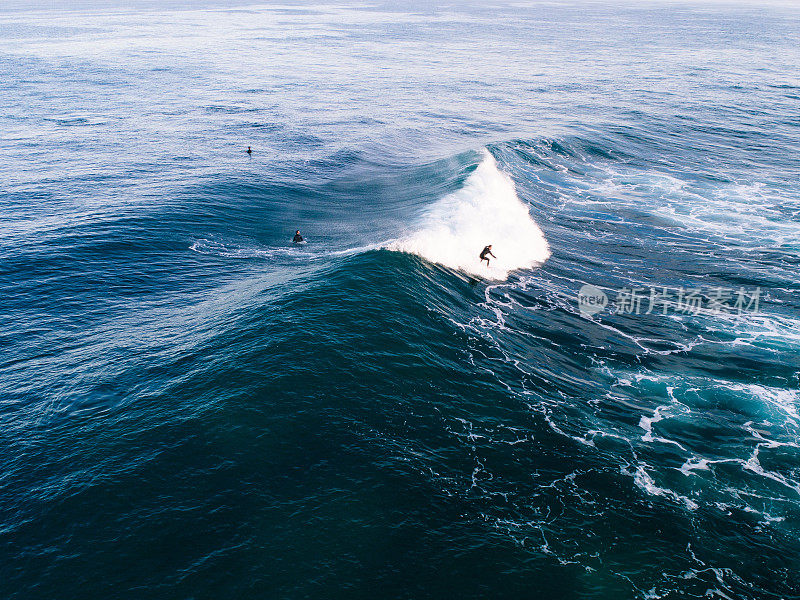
[(485, 211)]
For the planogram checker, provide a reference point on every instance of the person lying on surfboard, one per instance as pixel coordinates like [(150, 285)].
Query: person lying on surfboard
[(484, 257)]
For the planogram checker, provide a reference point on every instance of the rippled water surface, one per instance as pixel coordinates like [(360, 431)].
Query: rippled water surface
[(194, 407)]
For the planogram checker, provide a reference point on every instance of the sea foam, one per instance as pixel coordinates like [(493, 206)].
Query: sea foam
[(486, 210)]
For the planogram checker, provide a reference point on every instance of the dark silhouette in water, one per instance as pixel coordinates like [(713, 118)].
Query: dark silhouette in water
[(249, 151), (484, 252), (297, 237)]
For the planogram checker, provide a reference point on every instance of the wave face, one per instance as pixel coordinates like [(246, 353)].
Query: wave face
[(192, 406), (485, 211)]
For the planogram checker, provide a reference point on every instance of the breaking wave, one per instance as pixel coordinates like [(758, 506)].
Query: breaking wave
[(486, 210)]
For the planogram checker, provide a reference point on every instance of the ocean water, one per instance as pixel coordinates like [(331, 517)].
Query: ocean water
[(193, 407)]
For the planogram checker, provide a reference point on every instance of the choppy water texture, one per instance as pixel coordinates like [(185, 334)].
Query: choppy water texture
[(192, 407)]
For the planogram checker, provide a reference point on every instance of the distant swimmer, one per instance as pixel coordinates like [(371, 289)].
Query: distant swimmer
[(484, 257), (249, 151), (297, 237)]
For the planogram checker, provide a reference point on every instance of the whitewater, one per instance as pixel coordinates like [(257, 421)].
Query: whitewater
[(485, 211)]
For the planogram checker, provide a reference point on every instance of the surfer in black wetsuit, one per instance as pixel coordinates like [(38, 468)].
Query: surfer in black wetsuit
[(297, 237), (487, 251), (249, 151)]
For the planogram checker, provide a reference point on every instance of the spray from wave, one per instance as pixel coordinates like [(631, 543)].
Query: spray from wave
[(485, 211)]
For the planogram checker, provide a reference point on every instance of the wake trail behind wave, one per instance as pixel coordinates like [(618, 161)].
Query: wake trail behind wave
[(485, 211), (213, 248), (295, 252)]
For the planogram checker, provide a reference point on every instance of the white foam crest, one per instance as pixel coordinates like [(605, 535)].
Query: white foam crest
[(646, 423), (734, 213), (646, 483), (778, 333), (694, 464), (754, 465), (783, 399), (485, 211)]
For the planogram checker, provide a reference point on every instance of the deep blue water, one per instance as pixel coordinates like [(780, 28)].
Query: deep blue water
[(193, 407)]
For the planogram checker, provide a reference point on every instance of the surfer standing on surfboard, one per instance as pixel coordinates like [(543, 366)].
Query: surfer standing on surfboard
[(484, 257)]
